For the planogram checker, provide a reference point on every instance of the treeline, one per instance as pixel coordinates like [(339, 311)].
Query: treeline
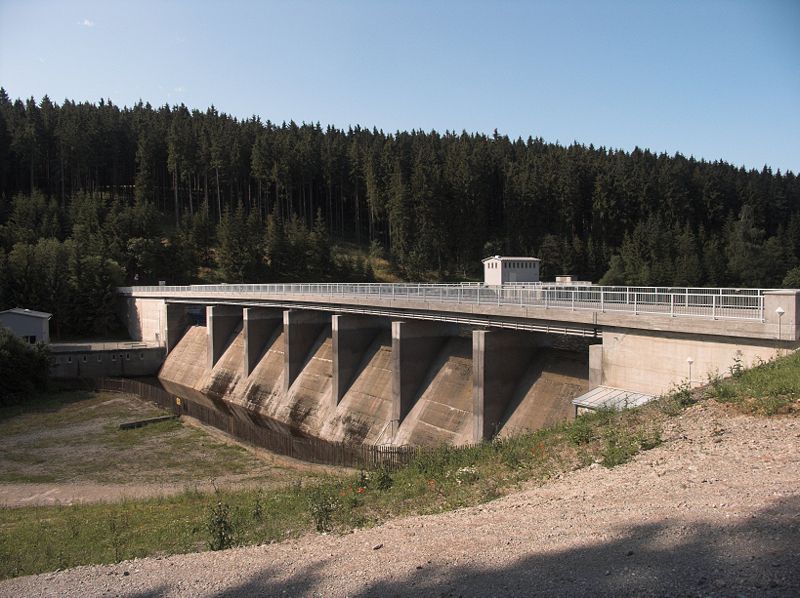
[(69, 262), (178, 194)]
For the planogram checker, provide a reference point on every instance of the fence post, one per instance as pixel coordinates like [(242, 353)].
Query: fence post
[(635, 306), (602, 304), (714, 307)]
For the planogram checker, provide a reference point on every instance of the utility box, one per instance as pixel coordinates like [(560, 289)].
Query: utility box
[(498, 270)]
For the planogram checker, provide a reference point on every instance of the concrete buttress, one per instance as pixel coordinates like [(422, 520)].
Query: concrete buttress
[(300, 331), (415, 344), (176, 325), (221, 322), (352, 335), (499, 358), (260, 326)]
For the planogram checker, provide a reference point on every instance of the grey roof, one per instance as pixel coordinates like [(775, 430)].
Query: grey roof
[(606, 397), (506, 257), (27, 312)]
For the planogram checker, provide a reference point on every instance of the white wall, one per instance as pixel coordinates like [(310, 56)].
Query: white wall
[(653, 363)]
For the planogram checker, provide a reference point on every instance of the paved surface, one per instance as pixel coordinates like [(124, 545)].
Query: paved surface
[(715, 511)]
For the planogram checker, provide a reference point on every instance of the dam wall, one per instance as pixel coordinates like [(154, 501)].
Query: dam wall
[(398, 382), (378, 371)]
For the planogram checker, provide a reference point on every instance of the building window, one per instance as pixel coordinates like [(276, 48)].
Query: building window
[(84, 358), (113, 357), (69, 359), (99, 359), (141, 355), (128, 356)]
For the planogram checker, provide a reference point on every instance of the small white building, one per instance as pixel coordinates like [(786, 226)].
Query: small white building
[(499, 270), (29, 325)]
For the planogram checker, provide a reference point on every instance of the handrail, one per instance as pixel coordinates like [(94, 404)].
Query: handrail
[(715, 303)]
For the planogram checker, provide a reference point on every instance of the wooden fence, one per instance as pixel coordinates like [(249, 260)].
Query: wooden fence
[(314, 450)]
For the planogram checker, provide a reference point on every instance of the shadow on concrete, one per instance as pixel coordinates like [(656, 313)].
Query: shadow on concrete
[(667, 558)]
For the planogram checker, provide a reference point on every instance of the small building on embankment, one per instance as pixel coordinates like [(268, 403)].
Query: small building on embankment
[(29, 325)]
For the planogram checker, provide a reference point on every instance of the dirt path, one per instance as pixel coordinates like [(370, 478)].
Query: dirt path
[(713, 511)]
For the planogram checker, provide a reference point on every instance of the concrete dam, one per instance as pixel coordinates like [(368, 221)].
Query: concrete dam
[(424, 365), (350, 398)]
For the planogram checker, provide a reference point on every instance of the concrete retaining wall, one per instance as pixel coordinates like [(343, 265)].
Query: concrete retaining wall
[(652, 363), (106, 363)]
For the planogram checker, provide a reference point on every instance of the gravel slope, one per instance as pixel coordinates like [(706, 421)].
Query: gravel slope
[(714, 511)]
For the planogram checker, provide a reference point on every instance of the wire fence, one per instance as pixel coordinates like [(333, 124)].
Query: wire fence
[(721, 303), (313, 450)]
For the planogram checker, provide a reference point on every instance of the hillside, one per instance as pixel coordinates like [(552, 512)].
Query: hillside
[(110, 194)]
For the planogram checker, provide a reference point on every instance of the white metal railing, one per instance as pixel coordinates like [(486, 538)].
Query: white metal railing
[(733, 304)]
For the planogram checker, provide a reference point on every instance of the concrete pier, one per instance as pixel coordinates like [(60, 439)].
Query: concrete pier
[(414, 346), (352, 335), (221, 321), (499, 359), (177, 321), (260, 325), (300, 330)]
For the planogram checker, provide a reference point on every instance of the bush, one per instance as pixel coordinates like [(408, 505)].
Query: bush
[(322, 504), (220, 527), (24, 368), (580, 431)]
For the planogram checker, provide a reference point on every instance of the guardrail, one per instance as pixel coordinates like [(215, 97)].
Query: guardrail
[(733, 304)]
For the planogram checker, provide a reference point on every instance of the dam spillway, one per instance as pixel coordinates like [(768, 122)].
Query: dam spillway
[(432, 401)]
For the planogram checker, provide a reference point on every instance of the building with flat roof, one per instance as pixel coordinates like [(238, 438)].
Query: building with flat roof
[(499, 270), (29, 325)]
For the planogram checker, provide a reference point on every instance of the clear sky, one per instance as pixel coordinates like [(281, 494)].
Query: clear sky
[(713, 79)]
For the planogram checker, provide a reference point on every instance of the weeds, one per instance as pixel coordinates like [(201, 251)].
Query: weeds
[(220, 527), (322, 504)]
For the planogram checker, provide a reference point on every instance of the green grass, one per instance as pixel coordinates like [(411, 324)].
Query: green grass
[(771, 388), (37, 539)]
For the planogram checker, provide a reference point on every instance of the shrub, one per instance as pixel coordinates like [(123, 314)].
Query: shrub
[(322, 504), (619, 447), (383, 479), (220, 527), (580, 431), (24, 368)]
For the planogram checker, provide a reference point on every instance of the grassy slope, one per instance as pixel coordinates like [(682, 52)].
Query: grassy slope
[(75, 437), (45, 538)]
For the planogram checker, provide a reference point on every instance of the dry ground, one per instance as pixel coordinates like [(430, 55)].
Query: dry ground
[(72, 450), (714, 511)]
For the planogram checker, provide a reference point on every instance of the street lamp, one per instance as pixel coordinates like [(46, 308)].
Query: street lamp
[(690, 361), (780, 313)]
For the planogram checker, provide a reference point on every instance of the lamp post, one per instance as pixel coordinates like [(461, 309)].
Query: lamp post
[(690, 361), (780, 313)]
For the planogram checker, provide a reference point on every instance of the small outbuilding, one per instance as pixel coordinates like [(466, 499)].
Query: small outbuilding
[(499, 270), (29, 325)]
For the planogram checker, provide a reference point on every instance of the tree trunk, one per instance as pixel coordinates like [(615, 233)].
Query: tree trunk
[(175, 187), (219, 201)]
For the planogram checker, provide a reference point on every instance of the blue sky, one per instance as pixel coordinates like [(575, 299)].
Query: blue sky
[(713, 79)]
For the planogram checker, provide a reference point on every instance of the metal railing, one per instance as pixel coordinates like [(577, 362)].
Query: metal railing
[(732, 304)]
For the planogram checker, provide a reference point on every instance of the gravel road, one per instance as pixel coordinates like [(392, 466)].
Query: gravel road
[(714, 511)]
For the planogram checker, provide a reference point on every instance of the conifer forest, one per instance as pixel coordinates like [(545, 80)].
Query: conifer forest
[(94, 195)]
